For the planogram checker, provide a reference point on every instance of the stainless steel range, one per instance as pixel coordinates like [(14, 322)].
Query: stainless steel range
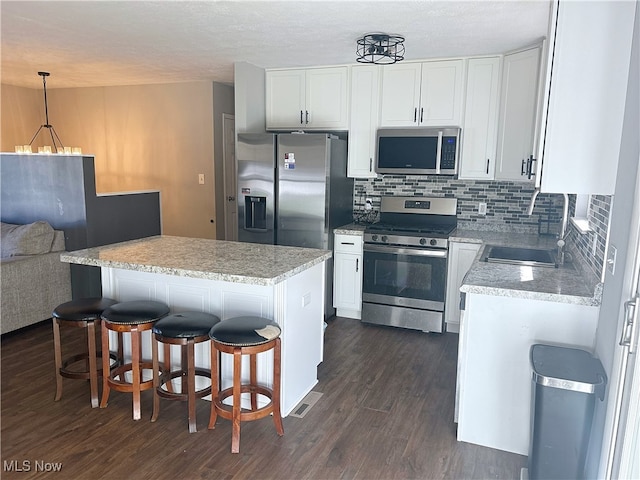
[(405, 263)]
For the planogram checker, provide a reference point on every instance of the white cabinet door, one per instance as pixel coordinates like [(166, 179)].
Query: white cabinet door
[(585, 94), (480, 119), (365, 102), (517, 119), (327, 96), (285, 98), (347, 275), (427, 93), (314, 98), (400, 95), (441, 93), (461, 256)]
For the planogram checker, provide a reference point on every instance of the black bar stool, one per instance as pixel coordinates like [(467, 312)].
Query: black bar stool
[(184, 329), (82, 313), (132, 317), (240, 336)]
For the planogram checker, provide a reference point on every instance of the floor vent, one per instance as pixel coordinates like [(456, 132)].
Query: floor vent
[(305, 405)]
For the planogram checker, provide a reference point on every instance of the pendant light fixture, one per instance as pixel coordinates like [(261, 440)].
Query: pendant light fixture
[(52, 131), (380, 48)]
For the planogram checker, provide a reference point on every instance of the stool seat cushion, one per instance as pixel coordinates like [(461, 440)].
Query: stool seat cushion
[(245, 331), (83, 309), (185, 325), (135, 312)]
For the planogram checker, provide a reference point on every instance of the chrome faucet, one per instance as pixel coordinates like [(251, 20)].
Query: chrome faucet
[(563, 227)]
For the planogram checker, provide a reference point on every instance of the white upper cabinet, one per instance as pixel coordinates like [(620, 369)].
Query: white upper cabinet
[(363, 123), (426, 94), (307, 99), (480, 124), (517, 118), (588, 59)]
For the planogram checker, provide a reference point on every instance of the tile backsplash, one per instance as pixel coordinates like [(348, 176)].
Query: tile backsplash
[(507, 204)]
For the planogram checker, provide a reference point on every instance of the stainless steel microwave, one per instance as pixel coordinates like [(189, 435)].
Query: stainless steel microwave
[(418, 151)]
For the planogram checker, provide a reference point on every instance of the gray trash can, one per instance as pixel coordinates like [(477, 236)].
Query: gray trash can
[(566, 382)]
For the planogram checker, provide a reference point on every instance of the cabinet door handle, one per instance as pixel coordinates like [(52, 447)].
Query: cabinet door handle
[(523, 170), (357, 263), (347, 243), (301, 121), (530, 161), (415, 115), (371, 164), (487, 166), (421, 114), (306, 113)]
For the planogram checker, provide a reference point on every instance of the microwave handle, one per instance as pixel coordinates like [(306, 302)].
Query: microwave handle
[(439, 152)]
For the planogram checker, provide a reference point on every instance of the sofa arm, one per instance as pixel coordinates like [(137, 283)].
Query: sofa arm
[(32, 286)]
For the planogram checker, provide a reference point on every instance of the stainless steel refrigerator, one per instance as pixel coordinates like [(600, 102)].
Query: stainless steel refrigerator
[(293, 190)]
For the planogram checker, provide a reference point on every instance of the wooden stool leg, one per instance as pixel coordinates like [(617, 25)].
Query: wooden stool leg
[(93, 368), (237, 379), (121, 352), (253, 380), (215, 386), (156, 379), (167, 365), (57, 353), (135, 370), (191, 385), (277, 417), (106, 372)]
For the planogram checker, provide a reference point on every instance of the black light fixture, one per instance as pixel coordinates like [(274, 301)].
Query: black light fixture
[(52, 131), (380, 48)]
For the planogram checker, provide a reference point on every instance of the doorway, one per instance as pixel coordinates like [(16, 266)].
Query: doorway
[(229, 172)]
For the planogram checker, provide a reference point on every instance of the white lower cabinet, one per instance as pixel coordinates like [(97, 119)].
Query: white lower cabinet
[(461, 256), (494, 370), (347, 275)]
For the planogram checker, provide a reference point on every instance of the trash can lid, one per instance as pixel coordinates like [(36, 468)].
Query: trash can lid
[(568, 369)]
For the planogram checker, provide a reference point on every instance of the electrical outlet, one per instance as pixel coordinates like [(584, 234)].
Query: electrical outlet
[(201, 178), (482, 208)]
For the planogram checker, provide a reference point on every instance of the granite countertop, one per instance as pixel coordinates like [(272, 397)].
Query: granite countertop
[(566, 284), (351, 229), (235, 262)]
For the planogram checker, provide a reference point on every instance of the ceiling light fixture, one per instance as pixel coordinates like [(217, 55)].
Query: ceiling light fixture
[(380, 48), (52, 131)]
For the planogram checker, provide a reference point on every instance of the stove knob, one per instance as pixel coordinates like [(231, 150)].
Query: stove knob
[(433, 241), (423, 241), (384, 238), (374, 238)]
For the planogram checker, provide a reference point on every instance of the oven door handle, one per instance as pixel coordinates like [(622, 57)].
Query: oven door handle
[(406, 251)]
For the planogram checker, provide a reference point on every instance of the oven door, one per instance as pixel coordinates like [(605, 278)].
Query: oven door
[(407, 277)]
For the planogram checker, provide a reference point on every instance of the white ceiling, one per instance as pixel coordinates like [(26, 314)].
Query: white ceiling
[(106, 43)]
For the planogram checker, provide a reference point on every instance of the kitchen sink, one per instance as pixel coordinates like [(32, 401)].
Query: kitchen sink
[(534, 257)]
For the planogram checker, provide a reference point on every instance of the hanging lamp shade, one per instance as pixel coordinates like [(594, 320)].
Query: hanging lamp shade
[(380, 48)]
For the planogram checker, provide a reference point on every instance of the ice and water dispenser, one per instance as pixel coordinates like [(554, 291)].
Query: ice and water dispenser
[(255, 216)]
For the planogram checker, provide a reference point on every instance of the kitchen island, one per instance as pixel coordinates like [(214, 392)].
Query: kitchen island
[(227, 279)]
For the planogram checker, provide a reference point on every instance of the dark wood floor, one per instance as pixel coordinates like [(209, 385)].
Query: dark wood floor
[(386, 412)]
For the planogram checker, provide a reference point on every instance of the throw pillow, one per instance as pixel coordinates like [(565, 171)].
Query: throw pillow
[(31, 239)]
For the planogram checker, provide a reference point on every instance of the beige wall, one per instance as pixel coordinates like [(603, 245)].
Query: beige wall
[(22, 112), (150, 137)]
